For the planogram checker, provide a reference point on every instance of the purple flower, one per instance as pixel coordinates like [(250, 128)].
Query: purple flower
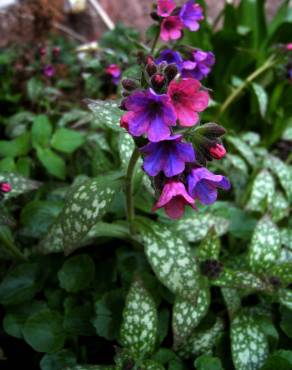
[(49, 71), (115, 71), (199, 66), (170, 56), (191, 14), (203, 184), (152, 115), (168, 156)]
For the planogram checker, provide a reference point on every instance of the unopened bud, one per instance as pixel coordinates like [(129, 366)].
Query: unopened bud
[(158, 81), (129, 84), (154, 16), (56, 51), (5, 187), (171, 71), (123, 104), (211, 130), (151, 69), (218, 151)]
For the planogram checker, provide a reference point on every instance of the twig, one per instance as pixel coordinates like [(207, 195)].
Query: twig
[(103, 14), (69, 32)]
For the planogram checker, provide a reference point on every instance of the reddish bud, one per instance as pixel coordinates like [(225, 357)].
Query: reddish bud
[(5, 187), (218, 151), (157, 81), (151, 69), (129, 84)]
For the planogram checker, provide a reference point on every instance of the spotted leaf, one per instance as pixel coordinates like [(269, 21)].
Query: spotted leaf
[(171, 259), (151, 365), (139, 326), (90, 367), (280, 207), (244, 149), (238, 280), (53, 241), (19, 184), (187, 315), (209, 247), (107, 113), (232, 300), (248, 343), (196, 227), (237, 162), (265, 247), (262, 193), (283, 172), (286, 237), (84, 206), (285, 298), (202, 341), (283, 271), (126, 147)]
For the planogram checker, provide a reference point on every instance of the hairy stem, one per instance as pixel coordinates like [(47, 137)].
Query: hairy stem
[(269, 63), (129, 189)]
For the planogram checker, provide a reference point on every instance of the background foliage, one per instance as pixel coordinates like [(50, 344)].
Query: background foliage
[(211, 291)]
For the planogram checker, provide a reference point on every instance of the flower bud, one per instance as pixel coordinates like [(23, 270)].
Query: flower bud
[(157, 81), (211, 130), (129, 84), (211, 268), (171, 71), (154, 16), (151, 69), (218, 151), (5, 187), (122, 105), (56, 51)]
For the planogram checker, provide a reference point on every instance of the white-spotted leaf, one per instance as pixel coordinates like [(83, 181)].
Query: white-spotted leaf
[(197, 226), (283, 271), (265, 247), (243, 149), (262, 98), (126, 147), (286, 237), (18, 183), (187, 315), (249, 344), (238, 280), (237, 162), (262, 193), (210, 246), (283, 172), (53, 241), (172, 261), (107, 113), (139, 326), (251, 138), (285, 298), (151, 365), (84, 207), (280, 207), (201, 342), (232, 300)]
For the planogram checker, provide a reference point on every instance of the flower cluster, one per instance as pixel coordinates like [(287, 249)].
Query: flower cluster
[(48, 57), (173, 19), (163, 109), (5, 187)]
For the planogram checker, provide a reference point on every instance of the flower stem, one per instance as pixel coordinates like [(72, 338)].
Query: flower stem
[(155, 41), (129, 189), (269, 63)]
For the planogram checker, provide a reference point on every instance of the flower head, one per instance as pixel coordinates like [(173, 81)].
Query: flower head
[(191, 14), (199, 66), (218, 151), (115, 72), (170, 56), (171, 28), (49, 71), (5, 187), (187, 99), (152, 115), (165, 7), (203, 184), (173, 199), (168, 156)]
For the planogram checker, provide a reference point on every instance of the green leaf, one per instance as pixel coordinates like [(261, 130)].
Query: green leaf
[(202, 341), (232, 300), (251, 138), (58, 360), (53, 241), (237, 162), (151, 365), (243, 149), (87, 203), (238, 280), (283, 172), (139, 327), (262, 193), (77, 318), (248, 343), (282, 270), (17, 147), (44, 332), (209, 247), (206, 362), (197, 227), (171, 260), (76, 273), (286, 237), (90, 367), (19, 184), (262, 97), (126, 147), (54, 164), (35, 89), (286, 321), (285, 298), (265, 247), (41, 131), (107, 113), (280, 207), (67, 141), (186, 315), (279, 360), (20, 284)]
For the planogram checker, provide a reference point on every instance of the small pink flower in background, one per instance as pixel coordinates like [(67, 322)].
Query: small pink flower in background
[(49, 70), (165, 7), (191, 14), (173, 199), (115, 71), (218, 151), (124, 121), (5, 187), (171, 28), (289, 46), (187, 99)]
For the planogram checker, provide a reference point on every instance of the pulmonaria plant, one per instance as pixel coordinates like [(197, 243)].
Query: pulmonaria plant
[(162, 113)]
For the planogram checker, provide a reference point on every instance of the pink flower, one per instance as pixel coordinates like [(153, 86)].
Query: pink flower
[(49, 71), (187, 99), (173, 199), (5, 187), (289, 46), (171, 28), (218, 151), (115, 71), (124, 120), (165, 7)]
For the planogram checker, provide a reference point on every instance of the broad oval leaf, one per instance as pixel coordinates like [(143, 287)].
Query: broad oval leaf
[(262, 193), (139, 326), (286, 237), (248, 343), (232, 300), (239, 280), (209, 247), (283, 172), (171, 259), (280, 207), (107, 113), (186, 315), (86, 204), (19, 184), (244, 149), (265, 247)]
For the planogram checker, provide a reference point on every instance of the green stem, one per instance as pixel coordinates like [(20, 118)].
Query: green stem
[(129, 189), (155, 41), (269, 63)]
